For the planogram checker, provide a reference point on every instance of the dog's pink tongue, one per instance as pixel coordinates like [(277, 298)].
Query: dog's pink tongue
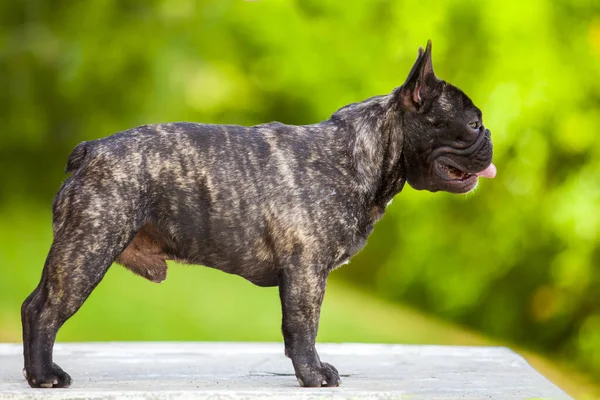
[(489, 172)]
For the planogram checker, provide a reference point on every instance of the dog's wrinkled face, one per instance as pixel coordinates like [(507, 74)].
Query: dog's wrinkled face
[(447, 146)]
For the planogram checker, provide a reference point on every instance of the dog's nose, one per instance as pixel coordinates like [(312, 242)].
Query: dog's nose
[(488, 133)]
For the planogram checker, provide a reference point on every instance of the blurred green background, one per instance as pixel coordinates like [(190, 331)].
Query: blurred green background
[(516, 262)]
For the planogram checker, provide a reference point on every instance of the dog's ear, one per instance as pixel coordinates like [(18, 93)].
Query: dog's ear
[(421, 84)]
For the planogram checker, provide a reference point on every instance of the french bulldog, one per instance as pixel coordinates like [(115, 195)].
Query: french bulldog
[(279, 205)]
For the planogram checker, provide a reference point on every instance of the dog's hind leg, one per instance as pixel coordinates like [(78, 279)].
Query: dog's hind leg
[(88, 235)]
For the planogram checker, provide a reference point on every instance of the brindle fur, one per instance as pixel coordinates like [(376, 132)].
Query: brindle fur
[(276, 204)]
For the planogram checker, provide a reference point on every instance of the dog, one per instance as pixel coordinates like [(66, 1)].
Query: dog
[(279, 205)]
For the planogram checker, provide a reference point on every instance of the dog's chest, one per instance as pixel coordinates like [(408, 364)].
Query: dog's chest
[(352, 241)]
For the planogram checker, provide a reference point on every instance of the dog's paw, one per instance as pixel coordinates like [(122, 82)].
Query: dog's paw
[(325, 375), (55, 377)]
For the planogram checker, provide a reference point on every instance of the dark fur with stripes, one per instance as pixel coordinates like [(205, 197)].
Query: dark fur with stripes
[(276, 204)]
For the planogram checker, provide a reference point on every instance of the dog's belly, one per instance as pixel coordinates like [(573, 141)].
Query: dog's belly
[(257, 272), (256, 256), (245, 258), (151, 247)]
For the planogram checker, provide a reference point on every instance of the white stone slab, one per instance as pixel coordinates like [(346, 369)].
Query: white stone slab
[(260, 370)]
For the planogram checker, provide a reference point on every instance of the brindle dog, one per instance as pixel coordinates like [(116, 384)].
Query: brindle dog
[(276, 204)]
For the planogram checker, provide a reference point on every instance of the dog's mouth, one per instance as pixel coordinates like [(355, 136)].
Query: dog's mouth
[(454, 168), (454, 174)]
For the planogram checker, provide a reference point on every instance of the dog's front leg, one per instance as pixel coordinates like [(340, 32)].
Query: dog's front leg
[(301, 289)]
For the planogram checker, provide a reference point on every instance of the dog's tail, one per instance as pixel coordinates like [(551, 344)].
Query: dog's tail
[(77, 157)]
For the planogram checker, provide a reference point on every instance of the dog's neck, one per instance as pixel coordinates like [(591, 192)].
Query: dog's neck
[(374, 137)]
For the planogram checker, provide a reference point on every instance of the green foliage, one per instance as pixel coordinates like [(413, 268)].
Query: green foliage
[(517, 260)]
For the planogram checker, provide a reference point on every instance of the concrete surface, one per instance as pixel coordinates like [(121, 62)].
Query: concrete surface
[(260, 370)]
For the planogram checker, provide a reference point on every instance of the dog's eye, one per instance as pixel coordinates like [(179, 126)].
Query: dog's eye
[(474, 124)]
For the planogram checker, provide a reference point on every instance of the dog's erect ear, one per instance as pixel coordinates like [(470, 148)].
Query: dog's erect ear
[(421, 84)]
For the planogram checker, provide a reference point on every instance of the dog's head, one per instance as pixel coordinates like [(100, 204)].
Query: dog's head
[(446, 146)]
